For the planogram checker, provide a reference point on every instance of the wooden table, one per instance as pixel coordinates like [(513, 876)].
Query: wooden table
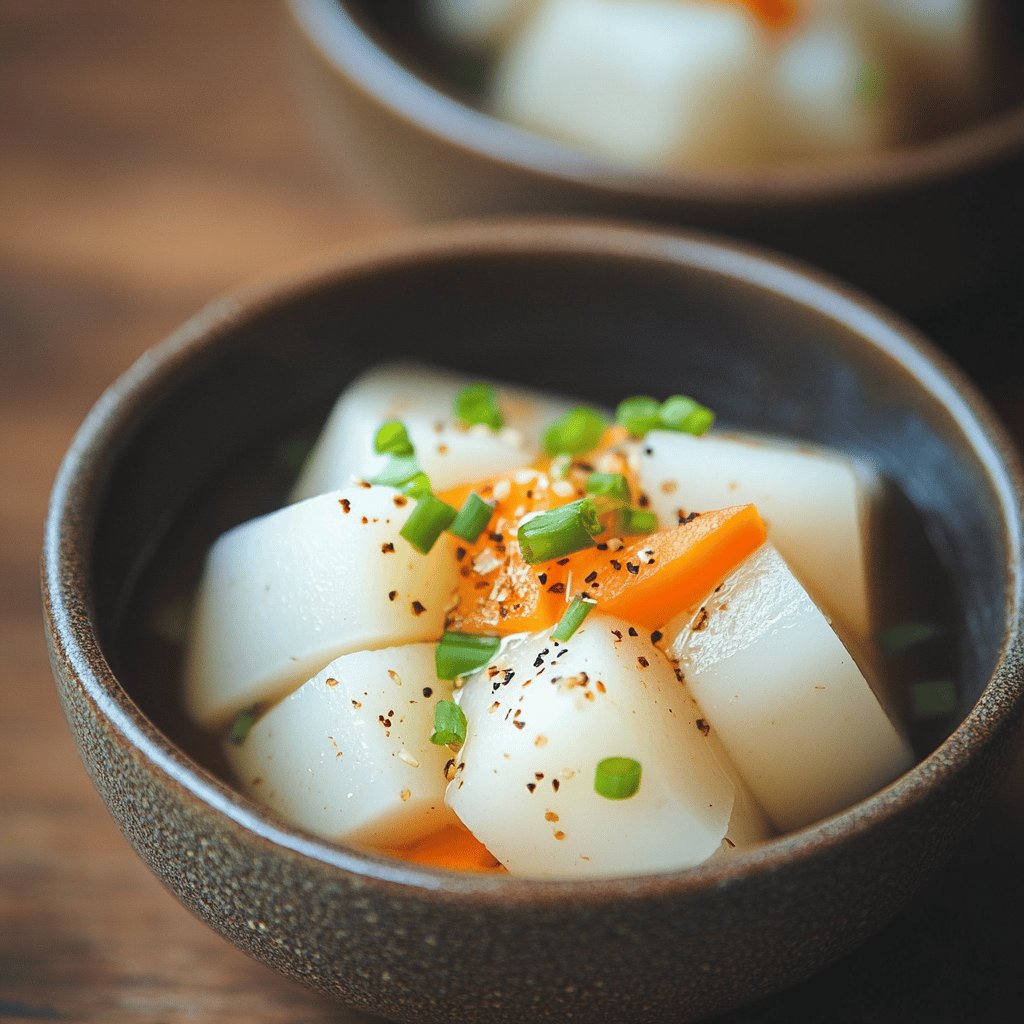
[(152, 156)]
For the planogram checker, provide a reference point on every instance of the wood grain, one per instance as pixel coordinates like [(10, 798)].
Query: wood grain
[(152, 156)]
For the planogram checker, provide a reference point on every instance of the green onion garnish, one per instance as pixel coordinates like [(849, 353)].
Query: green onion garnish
[(429, 519), (577, 431), (639, 414), (392, 439), (617, 778), (244, 721), (478, 403), (397, 471), (933, 699), (417, 485), (449, 724), (458, 654), (472, 519), (573, 618), (901, 638), (685, 415), (638, 520), (559, 532), (609, 485)]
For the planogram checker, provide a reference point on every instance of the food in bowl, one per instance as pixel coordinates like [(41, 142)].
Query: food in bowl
[(670, 84), (497, 631)]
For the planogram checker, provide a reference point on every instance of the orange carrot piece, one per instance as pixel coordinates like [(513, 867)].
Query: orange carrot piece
[(499, 592), (776, 14), (665, 573), (454, 848)]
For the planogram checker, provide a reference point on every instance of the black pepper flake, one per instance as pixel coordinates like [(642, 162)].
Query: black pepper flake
[(392, 594), (643, 501), (656, 636), (616, 565), (346, 505), (564, 650), (428, 691), (556, 588), (562, 561), (617, 633), (400, 500), (519, 724), (703, 726), (726, 839), (632, 567), (417, 608), (502, 612), (543, 577), (684, 519), (509, 676), (632, 631), (460, 553), (602, 546), (364, 520), (538, 776), (648, 451), (496, 537), (365, 483), (590, 577), (387, 548), (643, 662), (555, 784), (531, 786)]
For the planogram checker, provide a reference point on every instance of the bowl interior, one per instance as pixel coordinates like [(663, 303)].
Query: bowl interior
[(216, 434)]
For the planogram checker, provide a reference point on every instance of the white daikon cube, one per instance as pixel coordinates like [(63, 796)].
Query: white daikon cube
[(348, 755), (791, 707), (652, 82), (284, 594), (816, 506), (421, 397), (543, 716)]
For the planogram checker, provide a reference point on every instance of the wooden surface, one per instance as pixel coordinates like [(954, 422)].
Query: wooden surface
[(152, 156)]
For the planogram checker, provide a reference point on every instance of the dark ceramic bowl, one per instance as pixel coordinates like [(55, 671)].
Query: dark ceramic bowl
[(601, 310), (927, 228)]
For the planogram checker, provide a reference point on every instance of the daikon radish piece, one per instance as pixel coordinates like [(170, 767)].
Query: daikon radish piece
[(477, 23), (421, 397), (816, 504), (789, 704), (650, 83), (540, 720), (830, 97), (283, 594), (348, 755)]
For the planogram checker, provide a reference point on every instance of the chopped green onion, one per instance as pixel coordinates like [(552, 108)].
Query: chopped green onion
[(638, 520), (417, 485), (243, 723), (429, 519), (559, 532), (933, 699), (473, 518), (870, 85), (639, 414), (617, 778), (478, 403), (577, 431), (609, 485), (449, 724), (685, 415), (573, 618), (397, 471), (458, 654), (392, 439), (901, 638)]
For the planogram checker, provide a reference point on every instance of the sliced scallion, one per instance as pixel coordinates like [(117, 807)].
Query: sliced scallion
[(473, 518), (609, 485), (458, 654), (559, 532), (478, 403), (449, 724), (907, 635), (935, 698), (577, 431), (397, 471), (617, 778), (639, 414), (428, 520), (685, 415), (417, 485), (392, 439), (242, 724), (579, 608), (638, 520)]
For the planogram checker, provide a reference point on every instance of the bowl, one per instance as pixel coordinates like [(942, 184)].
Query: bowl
[(925, 228), (589, 308)]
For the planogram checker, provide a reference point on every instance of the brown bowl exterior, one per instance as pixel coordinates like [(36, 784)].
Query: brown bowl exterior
[(922, 228), (593, 308)]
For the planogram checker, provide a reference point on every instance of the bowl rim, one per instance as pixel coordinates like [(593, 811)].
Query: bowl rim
[(353, 50), (81, 479)]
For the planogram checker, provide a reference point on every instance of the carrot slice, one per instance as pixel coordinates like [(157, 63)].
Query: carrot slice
[(655, 577), (499, 592), (775, 14), (453, 847)]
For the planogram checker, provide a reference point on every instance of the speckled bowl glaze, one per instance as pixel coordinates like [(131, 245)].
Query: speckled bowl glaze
[(925, 228), (596, 310)]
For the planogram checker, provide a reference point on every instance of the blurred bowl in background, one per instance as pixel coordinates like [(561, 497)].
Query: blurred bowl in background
[(931, 228)]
